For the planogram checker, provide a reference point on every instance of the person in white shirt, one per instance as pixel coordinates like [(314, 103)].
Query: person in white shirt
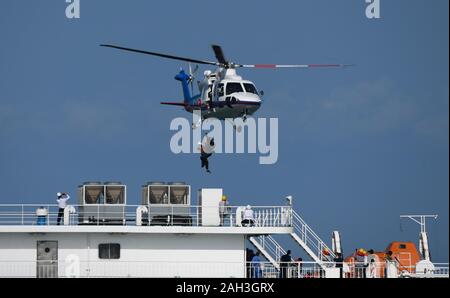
[(62, 203), (248, 216)]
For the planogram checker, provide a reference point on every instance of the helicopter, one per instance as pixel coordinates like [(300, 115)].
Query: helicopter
[(223, 93)]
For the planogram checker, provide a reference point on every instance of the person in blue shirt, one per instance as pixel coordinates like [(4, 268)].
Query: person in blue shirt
[(256, 266)]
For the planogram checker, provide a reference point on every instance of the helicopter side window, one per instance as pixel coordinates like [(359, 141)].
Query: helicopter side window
[(233, 88), (250, 88)]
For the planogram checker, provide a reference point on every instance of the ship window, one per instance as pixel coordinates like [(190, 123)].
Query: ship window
[(402, 246), (233, 88), (250, 88), (109, 251)]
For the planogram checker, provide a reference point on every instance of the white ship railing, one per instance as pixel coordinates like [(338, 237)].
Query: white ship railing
[(166, 215), (311, 239), (269, 244), (116, 268)]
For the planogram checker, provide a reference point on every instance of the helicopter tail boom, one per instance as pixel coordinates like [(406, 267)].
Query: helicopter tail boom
[(181, 104)]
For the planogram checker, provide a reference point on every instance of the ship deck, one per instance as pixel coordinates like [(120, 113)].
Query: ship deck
[(255, 230)]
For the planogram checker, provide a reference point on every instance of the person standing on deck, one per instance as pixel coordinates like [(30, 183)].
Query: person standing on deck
[(285, 261), (62, 203), (248, 220), (256, 266), (223, 209), (249, 257), (339, 262), (361, 263)]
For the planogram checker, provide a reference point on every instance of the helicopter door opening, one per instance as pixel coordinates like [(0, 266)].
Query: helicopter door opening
[(220, 92), (209, 93)]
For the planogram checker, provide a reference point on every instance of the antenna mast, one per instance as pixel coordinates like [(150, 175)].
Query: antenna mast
[(423, 239)]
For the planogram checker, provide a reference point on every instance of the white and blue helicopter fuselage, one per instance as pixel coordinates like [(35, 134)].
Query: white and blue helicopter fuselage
[(225, 95)]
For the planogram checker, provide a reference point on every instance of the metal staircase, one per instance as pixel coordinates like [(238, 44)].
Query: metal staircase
[(309, 241), (269, 247), (303, 235)]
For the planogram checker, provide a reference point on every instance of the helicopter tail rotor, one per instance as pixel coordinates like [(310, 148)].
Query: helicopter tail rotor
[(192, 76)]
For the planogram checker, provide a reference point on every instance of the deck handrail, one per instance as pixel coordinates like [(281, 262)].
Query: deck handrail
[(310, 237), (25, 214)]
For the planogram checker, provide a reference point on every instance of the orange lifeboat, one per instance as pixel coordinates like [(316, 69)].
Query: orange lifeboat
[(404, 254)]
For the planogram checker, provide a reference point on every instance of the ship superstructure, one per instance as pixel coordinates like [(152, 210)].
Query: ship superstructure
[(165, 236)]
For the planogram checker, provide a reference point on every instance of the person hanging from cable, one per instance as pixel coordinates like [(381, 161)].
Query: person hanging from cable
[(206, 150)]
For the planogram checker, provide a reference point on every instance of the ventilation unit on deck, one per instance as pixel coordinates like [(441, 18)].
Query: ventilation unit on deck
[(101, 203), (168, 203)]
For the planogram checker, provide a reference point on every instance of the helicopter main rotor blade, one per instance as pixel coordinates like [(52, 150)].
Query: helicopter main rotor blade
[(195, 69), (293, 65), (160, 55), (219, 54)]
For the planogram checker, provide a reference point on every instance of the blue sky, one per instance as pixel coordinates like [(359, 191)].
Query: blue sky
[(357, 147)]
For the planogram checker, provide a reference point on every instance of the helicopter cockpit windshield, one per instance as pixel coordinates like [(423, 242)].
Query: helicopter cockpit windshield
[(226, 89), (250, 88)]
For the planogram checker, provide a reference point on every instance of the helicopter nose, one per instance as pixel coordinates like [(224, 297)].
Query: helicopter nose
[(250, 100)]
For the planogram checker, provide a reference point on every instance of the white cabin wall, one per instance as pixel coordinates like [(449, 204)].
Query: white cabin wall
[(18, 251), (172, 255), (146, 255)]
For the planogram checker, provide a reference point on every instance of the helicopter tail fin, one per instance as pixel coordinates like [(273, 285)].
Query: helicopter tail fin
[(184, 79)]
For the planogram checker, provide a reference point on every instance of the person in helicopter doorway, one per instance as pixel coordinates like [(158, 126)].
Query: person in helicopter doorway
[(206, 152)]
